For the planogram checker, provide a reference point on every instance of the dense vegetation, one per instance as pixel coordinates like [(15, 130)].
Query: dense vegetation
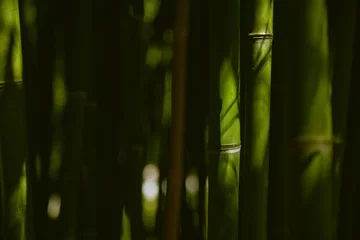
[(179, 119)]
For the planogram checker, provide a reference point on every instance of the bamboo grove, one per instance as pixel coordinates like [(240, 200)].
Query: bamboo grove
[(179, 119)]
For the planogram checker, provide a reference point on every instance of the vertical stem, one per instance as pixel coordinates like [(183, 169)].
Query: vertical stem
[(350, 191), (256, 62), (277, 221), (196, 113), (13, 149), (223, 120), (172, 212), (312, 208), (343, 20)]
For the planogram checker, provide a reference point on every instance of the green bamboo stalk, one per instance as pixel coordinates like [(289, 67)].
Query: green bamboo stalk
[(28, 71), (312, 200), (13, 150), (223, 120), (178, 94), (278, 191), (256, 61), (349, 197)]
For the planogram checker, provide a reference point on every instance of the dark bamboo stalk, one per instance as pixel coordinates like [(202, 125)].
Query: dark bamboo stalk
[(343, 17), (78, 72), (121, 124), (196, 117), (350, 191), (179, 72), (38, 64), (278, 191)]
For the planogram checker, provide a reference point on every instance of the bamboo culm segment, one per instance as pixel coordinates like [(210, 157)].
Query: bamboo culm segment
[(256, 51), (196, 113), (13, 146), (255, 166), (278, 183), (311, 186), (349, 191), (343, 20), (223, 120), (179, 72)]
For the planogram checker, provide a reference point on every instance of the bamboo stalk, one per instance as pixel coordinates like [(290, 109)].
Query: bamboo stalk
[(344, 18), (13, 151), (28, 71), (38, 64), (256, 77), (278, 191), (196, 117), (312, 207), (223, 151), (78, 72), (349, 191), (122, 126), (109, 204), (173, 203)]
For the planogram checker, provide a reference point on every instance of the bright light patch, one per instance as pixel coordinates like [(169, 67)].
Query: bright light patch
[(150, 189), (54, 206), (151, 172), (192, 183), (207, 183)]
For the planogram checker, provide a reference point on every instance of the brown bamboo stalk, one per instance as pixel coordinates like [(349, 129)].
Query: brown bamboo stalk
[(172, 209)]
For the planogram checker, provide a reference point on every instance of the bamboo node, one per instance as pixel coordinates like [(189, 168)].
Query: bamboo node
[(261, 36), (313, 141), (231, 148), (18, 83)]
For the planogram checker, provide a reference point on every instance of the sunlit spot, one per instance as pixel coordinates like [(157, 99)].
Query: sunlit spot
[(151, 172), (150, 189), (207, 183), (54, 206), (192, 184), (164, 187)]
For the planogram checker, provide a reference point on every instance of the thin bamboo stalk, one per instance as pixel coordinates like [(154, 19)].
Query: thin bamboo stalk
[(179, 72)]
